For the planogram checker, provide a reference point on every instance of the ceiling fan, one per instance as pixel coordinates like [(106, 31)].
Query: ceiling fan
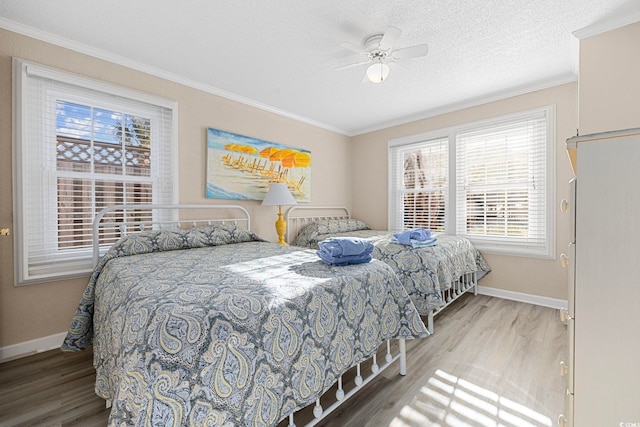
[(379, 51)]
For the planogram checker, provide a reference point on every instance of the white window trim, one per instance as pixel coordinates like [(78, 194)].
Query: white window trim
[(81, 266), (483, 244)]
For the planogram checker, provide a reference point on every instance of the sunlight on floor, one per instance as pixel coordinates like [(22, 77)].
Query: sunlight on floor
[(451, 401)]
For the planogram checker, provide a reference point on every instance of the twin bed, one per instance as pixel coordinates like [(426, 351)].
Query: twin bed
[(434, 276), (201, 322)]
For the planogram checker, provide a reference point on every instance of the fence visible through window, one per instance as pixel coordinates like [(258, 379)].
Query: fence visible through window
[(80, 196)]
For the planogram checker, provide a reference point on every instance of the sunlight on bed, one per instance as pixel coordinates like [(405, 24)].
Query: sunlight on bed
[(451, 401), (281, 272)]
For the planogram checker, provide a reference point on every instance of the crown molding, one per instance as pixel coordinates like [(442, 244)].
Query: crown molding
[(493, 97), (607, 25), (47, 37)]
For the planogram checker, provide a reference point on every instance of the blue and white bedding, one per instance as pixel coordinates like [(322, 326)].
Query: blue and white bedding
[(214, 326), (424, 271)]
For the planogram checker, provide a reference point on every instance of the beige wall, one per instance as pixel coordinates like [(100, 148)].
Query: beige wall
[(40, 310), (610, 80), (517, 274)]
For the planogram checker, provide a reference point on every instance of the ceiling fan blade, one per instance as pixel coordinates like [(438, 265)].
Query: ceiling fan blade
[(389, 38), (352, 47), (355, 64), (411, 52), (395, 63)]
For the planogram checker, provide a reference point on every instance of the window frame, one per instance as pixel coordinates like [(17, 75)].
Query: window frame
[(397, 217), (487, 244), (72, 262)]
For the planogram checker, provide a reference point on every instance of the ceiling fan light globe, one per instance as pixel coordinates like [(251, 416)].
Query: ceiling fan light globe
[(377, 72)]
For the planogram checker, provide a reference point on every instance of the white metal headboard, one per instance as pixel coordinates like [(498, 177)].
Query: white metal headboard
[(122, 220), (299, 216)]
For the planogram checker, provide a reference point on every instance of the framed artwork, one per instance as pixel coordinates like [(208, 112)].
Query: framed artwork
[(243, 168)]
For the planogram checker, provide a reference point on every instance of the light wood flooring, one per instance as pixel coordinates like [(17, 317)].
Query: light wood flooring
[(491, 362)]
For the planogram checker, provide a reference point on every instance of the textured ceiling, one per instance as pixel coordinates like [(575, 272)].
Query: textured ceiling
[(279, 55)]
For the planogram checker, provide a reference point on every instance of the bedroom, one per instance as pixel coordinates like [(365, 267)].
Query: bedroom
[(608, 89)]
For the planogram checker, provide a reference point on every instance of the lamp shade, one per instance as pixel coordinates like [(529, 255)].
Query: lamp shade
[(278, 195), (377, 72)]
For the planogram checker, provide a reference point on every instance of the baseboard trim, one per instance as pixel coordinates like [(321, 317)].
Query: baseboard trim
[(27, 348), (520, 297)]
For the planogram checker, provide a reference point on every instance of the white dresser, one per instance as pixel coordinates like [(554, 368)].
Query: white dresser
[(603, 316)]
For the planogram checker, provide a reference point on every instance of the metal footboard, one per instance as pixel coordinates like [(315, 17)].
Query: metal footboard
[(465, 283), (359, 382)]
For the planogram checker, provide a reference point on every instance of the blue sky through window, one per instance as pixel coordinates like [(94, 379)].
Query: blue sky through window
[(90, 123)]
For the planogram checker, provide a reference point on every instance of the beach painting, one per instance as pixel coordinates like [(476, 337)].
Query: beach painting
[(243, 168)]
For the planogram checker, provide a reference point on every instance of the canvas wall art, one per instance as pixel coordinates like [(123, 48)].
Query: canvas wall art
[(243, 168)]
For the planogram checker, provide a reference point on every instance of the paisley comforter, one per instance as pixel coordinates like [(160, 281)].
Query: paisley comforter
[(423, 271), (213, 326)]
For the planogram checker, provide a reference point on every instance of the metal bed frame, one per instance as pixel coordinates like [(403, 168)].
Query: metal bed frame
[(296, 220), (237, 215)]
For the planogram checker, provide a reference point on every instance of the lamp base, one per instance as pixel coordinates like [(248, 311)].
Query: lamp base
[(281, 228)]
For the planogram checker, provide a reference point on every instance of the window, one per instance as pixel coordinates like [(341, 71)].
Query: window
[(492, 182), (82, 145), (422, 184)]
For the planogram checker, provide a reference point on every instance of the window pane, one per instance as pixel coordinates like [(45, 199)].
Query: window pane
[(76, 209), (411, 178), (109, 193), (73, 154), (73, 120), (498, 213), (425, 210), (139, 129), (107, 126), (138, 161), (107, 158), (426, 167), (136, 134), (75, 213), (496, 162)]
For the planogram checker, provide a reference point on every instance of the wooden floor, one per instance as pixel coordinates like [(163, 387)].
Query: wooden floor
[(491, 362)]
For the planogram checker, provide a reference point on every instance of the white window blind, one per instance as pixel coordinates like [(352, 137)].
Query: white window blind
[(82, 145), (502, 184), (491, 181), (420, 185)]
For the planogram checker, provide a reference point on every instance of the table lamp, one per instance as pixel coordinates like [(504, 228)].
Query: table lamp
[(279, 195)]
